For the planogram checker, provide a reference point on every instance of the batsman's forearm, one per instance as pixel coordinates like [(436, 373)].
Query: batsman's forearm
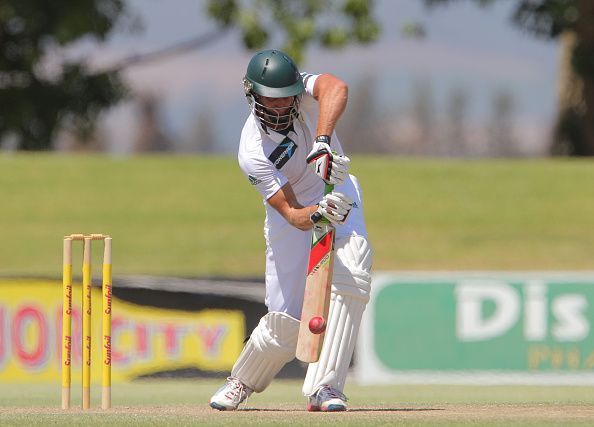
[(300, 218), (333, 100)]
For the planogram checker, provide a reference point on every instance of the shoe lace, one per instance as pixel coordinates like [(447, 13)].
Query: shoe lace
[(332, 393), (237, 389)]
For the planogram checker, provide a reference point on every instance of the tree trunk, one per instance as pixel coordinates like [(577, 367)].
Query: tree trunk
[(574, 133), (585, 64)]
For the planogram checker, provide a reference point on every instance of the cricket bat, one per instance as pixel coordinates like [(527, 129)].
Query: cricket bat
[(316, 300)]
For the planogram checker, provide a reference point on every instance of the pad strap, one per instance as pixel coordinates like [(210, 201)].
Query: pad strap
[(271, 345)]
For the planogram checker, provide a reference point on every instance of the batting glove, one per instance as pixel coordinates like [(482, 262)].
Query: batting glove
[(331, 167), (335, 207)]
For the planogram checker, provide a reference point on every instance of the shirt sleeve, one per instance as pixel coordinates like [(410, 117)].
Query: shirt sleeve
[(262, 175), (309, 81)]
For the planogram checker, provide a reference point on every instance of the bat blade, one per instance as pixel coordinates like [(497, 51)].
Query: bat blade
[(316, 299)]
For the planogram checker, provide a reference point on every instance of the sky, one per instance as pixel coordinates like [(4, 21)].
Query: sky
[(466, 47)]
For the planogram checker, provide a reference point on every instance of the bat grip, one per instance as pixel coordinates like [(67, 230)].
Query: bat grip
[(328, 188)]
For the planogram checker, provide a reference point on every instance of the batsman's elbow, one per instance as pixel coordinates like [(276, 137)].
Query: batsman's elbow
[(341, 89), (330, 86)]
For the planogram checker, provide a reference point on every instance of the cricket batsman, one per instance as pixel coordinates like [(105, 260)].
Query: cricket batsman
[(288, 151)]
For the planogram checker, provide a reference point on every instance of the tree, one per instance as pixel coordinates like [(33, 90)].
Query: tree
[(38, 100), (572, 21), (454, 143), (332, 23), (150, 136), (360, 120), (424, 115), (202, 137), (500, 129)]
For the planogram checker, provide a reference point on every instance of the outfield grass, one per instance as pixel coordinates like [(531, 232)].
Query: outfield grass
[(169, 402), (195, 216)]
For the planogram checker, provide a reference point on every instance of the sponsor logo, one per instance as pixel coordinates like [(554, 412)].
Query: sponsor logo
[(108, 295), (68, 349), (563, 316), (320, 264), (107, 346), (283, 153), (254, 180)]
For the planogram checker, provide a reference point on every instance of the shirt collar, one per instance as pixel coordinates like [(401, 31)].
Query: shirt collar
[(277, 136)]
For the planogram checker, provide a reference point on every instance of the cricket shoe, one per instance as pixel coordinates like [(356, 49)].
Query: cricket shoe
[(327, 399), (228, 397)]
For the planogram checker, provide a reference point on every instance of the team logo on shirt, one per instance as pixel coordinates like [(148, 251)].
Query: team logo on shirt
[(254, 180), (282, 153)]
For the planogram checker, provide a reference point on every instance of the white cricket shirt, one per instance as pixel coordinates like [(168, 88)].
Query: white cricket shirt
[(270, 159)]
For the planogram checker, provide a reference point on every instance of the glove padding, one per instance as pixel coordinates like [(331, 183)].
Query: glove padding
[(335, 207), (332, 168)]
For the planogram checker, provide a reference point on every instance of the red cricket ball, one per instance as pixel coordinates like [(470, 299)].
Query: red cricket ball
[(317, 325)]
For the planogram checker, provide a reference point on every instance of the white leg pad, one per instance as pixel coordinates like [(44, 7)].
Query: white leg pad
[(271, 345), (351, 285)]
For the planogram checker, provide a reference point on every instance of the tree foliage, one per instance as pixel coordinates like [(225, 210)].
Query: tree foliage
[(546, 18), (42, 92), (39, 91), (298, 23), (552, 19)]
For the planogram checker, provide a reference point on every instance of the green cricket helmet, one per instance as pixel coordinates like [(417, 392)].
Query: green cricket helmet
[(273, 74)]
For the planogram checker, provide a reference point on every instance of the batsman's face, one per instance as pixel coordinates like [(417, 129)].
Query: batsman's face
[(280, 105), (276, 113)]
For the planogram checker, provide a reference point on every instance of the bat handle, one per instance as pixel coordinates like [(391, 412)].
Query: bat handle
[(328, 188)]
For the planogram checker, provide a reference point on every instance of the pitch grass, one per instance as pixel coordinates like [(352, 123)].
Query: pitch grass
[(196, 216), (184, 402)]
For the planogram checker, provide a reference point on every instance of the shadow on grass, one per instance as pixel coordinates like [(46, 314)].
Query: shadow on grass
[(350, 410), (395, 409)]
